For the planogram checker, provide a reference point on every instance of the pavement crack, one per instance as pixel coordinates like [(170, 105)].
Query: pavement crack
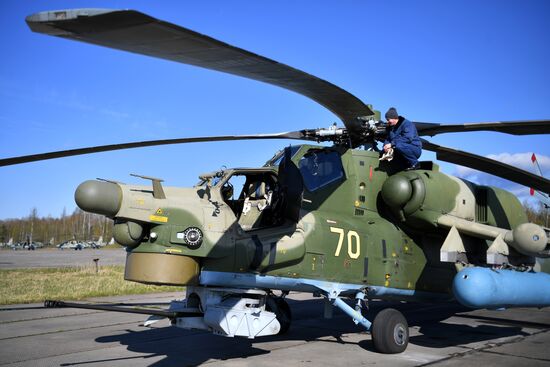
[(67, 330), (116, 345), (516, 355), (58, 355), (486, 349), (48, 317)]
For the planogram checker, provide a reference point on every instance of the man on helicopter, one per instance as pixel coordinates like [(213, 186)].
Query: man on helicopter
[(402, 142)]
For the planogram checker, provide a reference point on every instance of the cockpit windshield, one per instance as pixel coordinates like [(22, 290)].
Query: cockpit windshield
[(320, 168), (278, 157)]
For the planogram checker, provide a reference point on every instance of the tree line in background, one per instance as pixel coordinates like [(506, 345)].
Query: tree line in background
[(537, 213), (82, 226), (79, 225)]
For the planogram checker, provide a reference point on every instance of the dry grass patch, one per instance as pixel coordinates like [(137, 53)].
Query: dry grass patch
[(74, 283)]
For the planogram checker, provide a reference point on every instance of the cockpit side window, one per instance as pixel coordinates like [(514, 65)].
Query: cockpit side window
[(254, 198), (320, 169)]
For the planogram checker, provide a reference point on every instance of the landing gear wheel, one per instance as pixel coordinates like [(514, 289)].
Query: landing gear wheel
[(390, 332), (281, 309)]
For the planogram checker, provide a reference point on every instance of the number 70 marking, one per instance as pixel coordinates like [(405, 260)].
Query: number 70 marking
[(354, 242)]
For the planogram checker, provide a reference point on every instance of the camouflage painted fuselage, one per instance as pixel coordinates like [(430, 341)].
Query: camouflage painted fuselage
[(368, 226)]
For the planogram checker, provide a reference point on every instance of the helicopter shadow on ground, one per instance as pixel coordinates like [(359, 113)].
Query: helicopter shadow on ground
[(189, 348), (443, 335), (183, 347), (430, 321)]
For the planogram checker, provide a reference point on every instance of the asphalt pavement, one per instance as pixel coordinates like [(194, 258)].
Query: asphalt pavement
[(441, 335), (51, 258)]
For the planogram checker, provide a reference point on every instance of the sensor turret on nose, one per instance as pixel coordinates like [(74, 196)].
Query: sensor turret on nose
[(99, 197)]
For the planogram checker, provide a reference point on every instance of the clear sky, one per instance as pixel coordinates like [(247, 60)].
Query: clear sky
[(438, 61)]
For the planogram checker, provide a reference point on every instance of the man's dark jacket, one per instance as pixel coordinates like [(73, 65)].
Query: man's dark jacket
[(403, 133)]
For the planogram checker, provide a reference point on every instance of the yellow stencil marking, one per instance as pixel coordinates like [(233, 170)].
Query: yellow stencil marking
[(158, 218), (354, 242), (173, 250), (354, 254), (340, 232)]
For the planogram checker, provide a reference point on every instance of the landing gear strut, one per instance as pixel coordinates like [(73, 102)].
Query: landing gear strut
[(389, 330), (281, 309)]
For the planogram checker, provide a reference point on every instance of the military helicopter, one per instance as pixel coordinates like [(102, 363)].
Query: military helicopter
[(334, 221)]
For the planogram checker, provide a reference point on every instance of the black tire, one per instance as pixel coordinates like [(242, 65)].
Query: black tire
[(390, 332), (281, 309)]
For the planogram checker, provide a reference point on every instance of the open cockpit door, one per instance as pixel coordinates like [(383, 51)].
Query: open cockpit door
[(291, 186)]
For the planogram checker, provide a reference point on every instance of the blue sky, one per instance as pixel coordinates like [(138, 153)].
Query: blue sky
[(439, 61)]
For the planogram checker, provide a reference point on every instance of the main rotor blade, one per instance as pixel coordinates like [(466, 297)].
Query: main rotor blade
[(136, 32), (488, 165), (530, 127), (295, 135)]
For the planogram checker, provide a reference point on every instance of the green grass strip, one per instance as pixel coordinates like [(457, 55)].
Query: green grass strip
[(70, 283)]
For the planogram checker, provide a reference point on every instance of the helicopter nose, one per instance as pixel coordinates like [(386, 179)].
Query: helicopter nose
[(98, 197)]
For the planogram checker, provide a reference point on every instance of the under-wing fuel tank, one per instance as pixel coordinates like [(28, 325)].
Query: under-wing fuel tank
[(477, 287)]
